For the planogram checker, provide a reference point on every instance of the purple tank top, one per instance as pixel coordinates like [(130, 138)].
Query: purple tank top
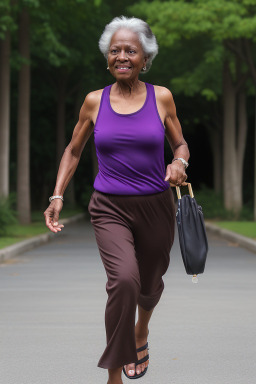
[(130, 148)]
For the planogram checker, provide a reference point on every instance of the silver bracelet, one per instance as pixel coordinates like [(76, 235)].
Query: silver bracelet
[(184, 162), (55, 197)]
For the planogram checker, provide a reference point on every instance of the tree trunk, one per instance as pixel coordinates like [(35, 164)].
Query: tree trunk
[(241, 144), (217, 160), (255, 160), (234, 141), (61, 118), (229, 140), (5, 48), (23, 165)]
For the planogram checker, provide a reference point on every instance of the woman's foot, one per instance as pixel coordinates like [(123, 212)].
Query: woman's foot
[(141, 339)]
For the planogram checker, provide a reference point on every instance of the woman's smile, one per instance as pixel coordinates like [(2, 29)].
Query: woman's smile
[(123, 68)]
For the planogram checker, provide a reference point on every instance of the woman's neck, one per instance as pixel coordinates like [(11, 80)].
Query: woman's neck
[(128, 88)]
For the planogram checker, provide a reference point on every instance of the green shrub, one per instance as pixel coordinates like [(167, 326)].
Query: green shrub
[(213, 206), (212, 203), (7, 213)]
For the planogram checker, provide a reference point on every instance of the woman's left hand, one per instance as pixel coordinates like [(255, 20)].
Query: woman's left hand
[(176, 174)]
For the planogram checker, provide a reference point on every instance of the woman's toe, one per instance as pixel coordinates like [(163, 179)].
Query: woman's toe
[(138, 370), (141, 368), (130, 369)]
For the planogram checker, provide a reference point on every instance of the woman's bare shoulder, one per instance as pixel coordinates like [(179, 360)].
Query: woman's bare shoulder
[(92, 99), (165, 99), (91, 105), (163, 94)]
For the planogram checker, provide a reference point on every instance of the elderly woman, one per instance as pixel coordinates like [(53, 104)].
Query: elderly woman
[(132, 206)]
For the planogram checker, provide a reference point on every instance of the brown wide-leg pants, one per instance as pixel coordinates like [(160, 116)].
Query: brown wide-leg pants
[(134, 234)]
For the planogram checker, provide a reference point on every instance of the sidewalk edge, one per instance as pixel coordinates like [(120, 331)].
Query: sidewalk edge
[(243, 241), (25, 245)]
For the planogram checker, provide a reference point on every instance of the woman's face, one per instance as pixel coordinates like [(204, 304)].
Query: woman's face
[(126, 57)]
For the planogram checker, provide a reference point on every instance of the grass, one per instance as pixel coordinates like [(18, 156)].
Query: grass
[(17, 232), (245, 228)]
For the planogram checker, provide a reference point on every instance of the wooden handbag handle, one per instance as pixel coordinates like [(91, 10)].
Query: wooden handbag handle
[(189, 189)]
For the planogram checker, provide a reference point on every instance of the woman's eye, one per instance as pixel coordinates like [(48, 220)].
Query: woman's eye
[(131, 51), (113, 51)]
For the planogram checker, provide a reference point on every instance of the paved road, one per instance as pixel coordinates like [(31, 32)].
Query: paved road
[(52, 317)]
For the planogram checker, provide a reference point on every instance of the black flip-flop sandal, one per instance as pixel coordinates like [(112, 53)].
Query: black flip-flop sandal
[(145, 358)]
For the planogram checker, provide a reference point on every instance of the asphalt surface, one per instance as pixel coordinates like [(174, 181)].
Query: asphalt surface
[(52, 308)]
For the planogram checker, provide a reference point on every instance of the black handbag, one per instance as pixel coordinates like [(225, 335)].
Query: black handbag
[(192, 233)]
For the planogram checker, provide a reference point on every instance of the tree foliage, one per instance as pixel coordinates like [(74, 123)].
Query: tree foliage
[(216, 23), (6, 19), (220, 19), (220, 40)]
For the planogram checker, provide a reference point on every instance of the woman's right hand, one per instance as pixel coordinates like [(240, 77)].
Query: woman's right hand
[(52, 215)]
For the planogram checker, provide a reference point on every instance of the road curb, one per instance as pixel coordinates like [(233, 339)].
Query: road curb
[(243, 241), (25, 245)]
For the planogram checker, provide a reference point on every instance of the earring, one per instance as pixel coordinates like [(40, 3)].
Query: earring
[(144, 68), (107, 67)]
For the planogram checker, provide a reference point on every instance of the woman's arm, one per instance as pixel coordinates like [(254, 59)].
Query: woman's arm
[(70, 159), (175, 172)]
